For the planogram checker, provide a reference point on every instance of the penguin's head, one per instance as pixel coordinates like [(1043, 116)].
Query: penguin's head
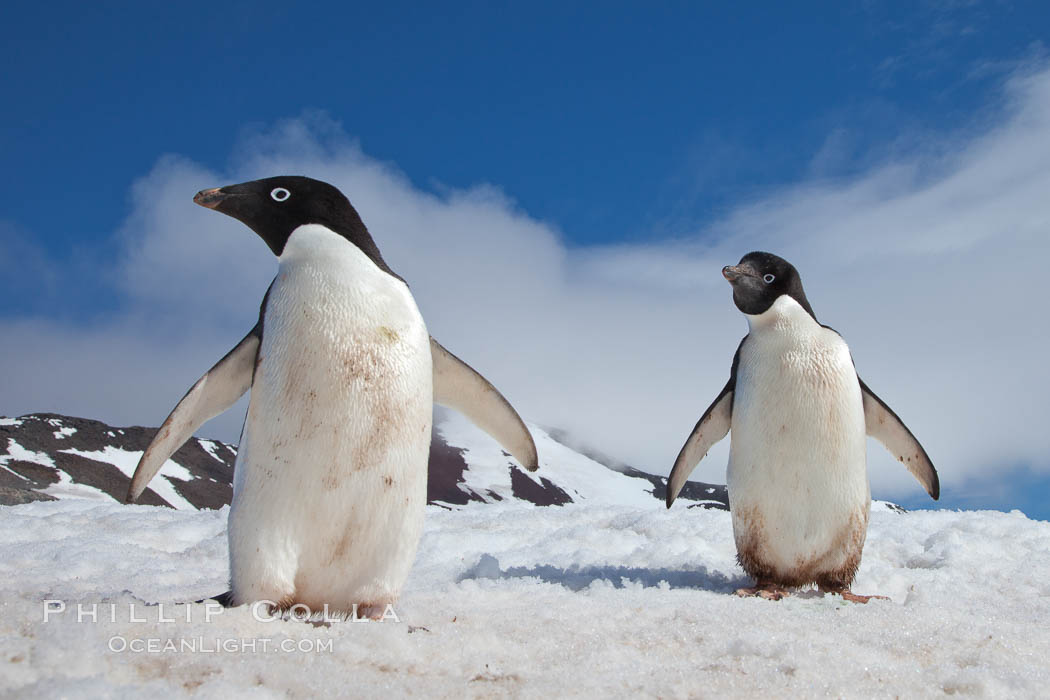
[(759, 279), (275, 206)]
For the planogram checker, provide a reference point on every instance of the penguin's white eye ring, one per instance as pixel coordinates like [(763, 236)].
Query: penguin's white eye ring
[(279, 194), (768, 278)]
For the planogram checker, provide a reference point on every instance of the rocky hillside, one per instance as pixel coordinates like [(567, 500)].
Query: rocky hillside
[(48, 456)]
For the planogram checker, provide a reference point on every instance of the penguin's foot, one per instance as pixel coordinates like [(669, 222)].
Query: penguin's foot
[(223, 599), (852, 597), (370, 612), (764, 589)]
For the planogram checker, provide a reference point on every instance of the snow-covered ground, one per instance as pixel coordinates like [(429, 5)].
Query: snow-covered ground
[(526, 601)]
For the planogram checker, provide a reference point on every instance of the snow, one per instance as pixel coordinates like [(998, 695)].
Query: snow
[(10, 421), (579, 600), (212, 448), (63, 431), (17, 453), (65, 488), (127, 460), (566, 468)]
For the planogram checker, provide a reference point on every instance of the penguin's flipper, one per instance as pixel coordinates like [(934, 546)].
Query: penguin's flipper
[(217, 390), (457, 385), (711, 428), (886, 426)]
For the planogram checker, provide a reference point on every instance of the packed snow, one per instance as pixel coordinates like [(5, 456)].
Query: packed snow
[(63, 431), (577, 600), (581, 477), (17, 453), (212, 448), (127, 460)]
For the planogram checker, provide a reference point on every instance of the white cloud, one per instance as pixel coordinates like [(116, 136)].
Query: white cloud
[(932, 265)]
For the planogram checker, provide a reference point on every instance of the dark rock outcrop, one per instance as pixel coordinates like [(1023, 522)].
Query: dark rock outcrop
[(45, 456)]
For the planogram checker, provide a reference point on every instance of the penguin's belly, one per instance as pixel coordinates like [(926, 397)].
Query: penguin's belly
[(330, 482), (797, 476)]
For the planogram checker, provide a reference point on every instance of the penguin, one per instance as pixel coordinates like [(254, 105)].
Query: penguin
[(798, 486), (329, 484)]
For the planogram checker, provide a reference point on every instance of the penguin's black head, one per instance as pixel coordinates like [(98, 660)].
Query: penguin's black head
[(760, 279), (276, 206)]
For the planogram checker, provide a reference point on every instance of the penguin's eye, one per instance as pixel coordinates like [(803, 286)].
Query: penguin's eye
[(280, 194), (768, 278)]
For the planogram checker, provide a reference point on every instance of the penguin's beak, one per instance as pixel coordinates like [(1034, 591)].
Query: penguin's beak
[(736, 272), (210, 198)]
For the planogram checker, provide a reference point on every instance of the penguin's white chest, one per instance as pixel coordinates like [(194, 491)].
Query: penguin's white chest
[(797, 476), (330, 481)]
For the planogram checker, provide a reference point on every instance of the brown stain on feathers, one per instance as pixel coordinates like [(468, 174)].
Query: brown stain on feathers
[(340, 548), (752, 546), (333, 476), (828, 570), (369, 366), (851, 541)]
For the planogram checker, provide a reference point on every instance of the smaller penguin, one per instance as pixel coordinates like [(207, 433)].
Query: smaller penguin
[(797, 475)]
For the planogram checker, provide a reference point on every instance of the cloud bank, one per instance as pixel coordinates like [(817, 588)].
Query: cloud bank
[(933, 266)]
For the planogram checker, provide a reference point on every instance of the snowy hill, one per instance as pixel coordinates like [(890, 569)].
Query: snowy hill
[(49, 456)]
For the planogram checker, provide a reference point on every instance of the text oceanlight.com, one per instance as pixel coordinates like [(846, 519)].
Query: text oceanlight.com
[(216, 645)]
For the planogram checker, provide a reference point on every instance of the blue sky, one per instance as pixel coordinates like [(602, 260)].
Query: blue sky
[(613, 135), (671, 110)]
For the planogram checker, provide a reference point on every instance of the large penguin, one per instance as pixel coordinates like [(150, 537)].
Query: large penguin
[(330, 481), (797, 476)]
